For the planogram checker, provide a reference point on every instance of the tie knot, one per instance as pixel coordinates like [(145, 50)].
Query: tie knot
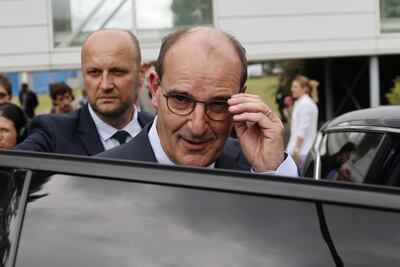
[(121, 136)]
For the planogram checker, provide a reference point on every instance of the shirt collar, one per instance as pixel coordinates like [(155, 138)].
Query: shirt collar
[(159, 152), (106, 131)]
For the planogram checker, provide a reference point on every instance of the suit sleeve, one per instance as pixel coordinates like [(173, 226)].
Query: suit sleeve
[(40, 137)]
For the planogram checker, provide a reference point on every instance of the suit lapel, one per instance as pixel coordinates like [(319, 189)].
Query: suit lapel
[(141, 147), (88, 133)]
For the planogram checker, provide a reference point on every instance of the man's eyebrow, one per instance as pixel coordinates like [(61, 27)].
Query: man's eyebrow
[(221, 97), (179, 92)]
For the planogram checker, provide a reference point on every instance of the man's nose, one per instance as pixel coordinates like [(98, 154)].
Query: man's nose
[(199, 120), (106, 81)]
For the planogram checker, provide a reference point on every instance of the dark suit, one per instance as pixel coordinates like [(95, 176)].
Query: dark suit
[(28, 102), (70, 133), (139, 149)]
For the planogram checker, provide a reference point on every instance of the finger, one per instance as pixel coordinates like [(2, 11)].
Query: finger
[(260, 118)]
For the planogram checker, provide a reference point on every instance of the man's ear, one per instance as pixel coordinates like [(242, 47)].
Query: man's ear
[(142, 73), (244, 89), (153, 86)]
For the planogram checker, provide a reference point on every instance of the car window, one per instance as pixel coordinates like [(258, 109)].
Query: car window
[(347, 156)]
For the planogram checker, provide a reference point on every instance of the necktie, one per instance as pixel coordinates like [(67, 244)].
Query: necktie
[(121, 136)]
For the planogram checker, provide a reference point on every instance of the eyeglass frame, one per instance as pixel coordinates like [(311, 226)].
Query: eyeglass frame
[(206, 103)]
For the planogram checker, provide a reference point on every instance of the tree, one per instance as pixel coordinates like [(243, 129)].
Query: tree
[(194, 12), (394, 96)]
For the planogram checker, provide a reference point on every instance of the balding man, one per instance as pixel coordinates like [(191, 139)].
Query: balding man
[(199, 92), (112, 74)]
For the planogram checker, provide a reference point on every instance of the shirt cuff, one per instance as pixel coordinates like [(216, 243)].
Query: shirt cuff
[(287, 168)]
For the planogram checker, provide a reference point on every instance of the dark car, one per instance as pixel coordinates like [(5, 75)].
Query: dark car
[(75, 211), (362, 146)]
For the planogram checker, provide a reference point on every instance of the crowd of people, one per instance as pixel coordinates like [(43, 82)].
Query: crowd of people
[(180, 109)]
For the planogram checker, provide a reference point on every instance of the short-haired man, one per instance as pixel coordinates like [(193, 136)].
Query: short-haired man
[(28, 100), (62, 97), (5, 89), (198, 91), (111, 70)]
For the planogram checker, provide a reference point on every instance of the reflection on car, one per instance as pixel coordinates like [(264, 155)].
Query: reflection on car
[(362, 146), (62, 210)]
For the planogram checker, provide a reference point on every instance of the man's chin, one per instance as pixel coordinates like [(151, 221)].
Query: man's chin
[(196, 161)]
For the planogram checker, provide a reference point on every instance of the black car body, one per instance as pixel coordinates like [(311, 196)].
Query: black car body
[(373, 136), (75, 211)]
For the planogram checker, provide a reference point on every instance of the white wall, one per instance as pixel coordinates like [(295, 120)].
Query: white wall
[(269, 29)]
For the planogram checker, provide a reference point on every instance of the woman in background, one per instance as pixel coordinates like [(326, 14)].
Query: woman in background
[(12, 125), (303, 129)]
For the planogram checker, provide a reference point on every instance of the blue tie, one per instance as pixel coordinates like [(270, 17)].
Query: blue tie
[(121, 136)]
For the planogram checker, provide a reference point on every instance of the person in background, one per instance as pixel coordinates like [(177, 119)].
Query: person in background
[(198, 89), (304, 119), (28, 100), (81, 100), (111, 66), (5, 89), (331, 165), (144, 96), (62, 96), (12, 125)]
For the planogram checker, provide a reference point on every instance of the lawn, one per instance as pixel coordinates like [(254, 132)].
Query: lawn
[(266, 88), (44, 102)]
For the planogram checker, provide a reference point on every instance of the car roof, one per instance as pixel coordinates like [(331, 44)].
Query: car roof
[(383, 116)]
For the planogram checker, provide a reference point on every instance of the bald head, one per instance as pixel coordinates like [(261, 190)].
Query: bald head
[(211, 39), (119, 37)]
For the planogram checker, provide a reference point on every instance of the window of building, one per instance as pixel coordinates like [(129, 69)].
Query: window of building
[(150, 20), (390, 16)]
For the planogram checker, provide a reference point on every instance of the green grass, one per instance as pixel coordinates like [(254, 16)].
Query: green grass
[(44, 102), (266, 88)]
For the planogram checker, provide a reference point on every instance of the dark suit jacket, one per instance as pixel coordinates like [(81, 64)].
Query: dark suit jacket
[(139, 149), (71, 133), (30, 103)]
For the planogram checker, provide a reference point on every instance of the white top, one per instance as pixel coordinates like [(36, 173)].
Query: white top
[(287, 168), (106, 131), (304, 124)]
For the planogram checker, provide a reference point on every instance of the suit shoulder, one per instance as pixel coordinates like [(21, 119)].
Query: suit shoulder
[(55, 120)]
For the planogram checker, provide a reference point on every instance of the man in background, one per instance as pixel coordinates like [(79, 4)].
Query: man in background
[(62, 98), (28, 100), (5, 89), (111, 66)]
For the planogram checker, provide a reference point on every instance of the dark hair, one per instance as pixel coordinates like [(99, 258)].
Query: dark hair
[(17, 116), (172, 38), (59, 89), (6, 83), (348, 147)]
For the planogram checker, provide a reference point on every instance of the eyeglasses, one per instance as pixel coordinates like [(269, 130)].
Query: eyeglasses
[(183, 105), (3, 95)]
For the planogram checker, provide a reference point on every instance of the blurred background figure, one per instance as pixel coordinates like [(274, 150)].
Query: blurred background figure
[(81, 100), (144, 95), (5, 89), (304, 118), (331, 165), (62, 98), (13, 125), (28, 100)]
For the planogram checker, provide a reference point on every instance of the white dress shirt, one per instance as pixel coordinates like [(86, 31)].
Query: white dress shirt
[(106, 131), (287, 168), (304, 124)]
